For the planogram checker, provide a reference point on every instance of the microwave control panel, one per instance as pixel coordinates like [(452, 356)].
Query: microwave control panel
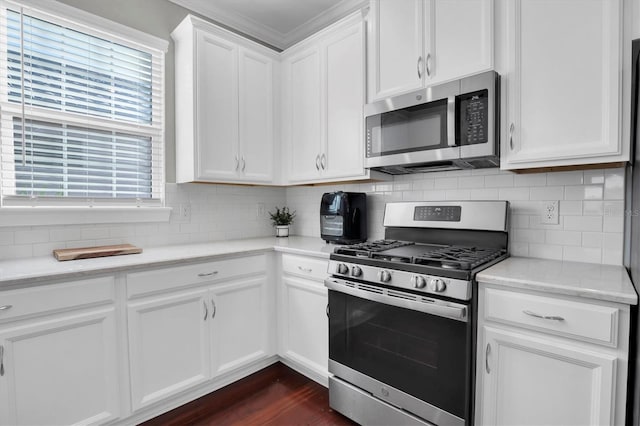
[(473, 118)]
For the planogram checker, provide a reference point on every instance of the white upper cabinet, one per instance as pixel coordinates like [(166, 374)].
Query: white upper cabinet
[(224, 106), (417, 43), (563, 78), (322, 104)]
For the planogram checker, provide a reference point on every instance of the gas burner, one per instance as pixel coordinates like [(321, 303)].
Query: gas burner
[(391, 258), (366, 249), (458, 257)]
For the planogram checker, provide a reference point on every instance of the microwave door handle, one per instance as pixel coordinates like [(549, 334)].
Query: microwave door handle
[(451, 121)]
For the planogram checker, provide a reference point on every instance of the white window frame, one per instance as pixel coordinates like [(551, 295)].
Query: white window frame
[(29, 212)]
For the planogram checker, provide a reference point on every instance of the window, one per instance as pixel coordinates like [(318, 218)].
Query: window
[(81, 111)]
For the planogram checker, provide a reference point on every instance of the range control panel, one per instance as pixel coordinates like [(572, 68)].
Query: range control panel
[(473, 120), (437, 213)]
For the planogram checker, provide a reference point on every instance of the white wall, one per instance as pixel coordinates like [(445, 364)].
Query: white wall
[(591, 207), (218, 212)]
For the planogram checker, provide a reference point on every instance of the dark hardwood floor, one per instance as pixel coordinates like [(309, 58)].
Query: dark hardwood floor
[(275, 396)]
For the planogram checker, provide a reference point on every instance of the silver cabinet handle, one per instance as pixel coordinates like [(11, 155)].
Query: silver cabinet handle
[(307, 270), (486, 358), (6, 307), (207, 274), (323, 161), (206, 310), (244, 163), (1, 360), (419, 65), (550, 317), (214, 309), (237, 163), (512, 127), (327, 310), (317, 162), (427, 63)]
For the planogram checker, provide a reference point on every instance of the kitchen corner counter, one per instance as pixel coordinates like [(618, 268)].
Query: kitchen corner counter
[(24, 272), (594, 281)]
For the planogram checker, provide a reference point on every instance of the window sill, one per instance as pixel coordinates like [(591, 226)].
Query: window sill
[(43, 216)]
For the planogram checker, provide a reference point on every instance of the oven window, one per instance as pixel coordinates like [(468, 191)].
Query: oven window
[(423, 355), (418, 128)]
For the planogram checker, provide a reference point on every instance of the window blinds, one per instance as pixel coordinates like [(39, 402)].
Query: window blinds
[(80, 115)]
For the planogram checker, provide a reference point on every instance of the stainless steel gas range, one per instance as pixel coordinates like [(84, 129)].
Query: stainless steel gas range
[(402, 313)]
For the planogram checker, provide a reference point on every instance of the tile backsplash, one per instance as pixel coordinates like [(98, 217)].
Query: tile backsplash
[(591, 207), (590, 227), (218, 212)]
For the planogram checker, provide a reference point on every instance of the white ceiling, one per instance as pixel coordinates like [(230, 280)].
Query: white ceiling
[(280, 23)]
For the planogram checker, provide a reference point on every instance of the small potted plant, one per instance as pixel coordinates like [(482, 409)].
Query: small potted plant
[(281, 219)]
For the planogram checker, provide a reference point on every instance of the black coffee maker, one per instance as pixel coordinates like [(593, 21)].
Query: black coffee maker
[(343, 217)]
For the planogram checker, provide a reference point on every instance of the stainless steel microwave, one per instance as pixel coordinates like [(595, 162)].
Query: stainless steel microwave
[(454, 125)]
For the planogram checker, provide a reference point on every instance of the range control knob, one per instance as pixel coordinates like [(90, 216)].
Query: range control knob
[(342, 268), (437, 285), (418, 281), (384, 276), (356, 271)]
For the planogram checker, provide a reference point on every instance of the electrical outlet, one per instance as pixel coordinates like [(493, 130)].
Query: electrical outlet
[(550, 213), (184, 213), (260, 210)]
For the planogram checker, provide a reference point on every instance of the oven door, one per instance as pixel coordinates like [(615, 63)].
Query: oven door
[(408, 350)]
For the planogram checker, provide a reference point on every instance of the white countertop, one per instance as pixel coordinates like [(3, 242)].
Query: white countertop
[(593, 281), (37, 269)]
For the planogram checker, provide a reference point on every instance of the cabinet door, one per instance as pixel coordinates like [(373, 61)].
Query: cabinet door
[(304, 326), (304, 118), (537, 381), (343, 154), (458, 38), (256, 116), (239, 324), (216, 63), (563, 83), (61, 371), (396, 61), (168, 345)]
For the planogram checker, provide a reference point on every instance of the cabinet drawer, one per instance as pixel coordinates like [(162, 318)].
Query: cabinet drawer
[(307, 267), (157, 280), (576, 320), (55, 297)]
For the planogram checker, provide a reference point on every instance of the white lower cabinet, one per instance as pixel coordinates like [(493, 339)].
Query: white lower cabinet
[(537, 364), (59, 363), (192, 336), (303, 328)]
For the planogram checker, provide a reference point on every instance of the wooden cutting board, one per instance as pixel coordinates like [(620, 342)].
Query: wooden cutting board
[(101, 251)]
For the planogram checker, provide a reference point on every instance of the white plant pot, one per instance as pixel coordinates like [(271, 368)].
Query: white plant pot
[(282, 230)]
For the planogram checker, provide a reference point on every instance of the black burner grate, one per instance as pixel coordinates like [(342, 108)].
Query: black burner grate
[(367, 248), (458, 257)]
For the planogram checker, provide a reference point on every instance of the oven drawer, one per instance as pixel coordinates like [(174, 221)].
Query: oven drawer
[(307, 267), (576, 320)]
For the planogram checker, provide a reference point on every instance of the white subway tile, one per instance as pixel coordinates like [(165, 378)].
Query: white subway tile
[(546, 193), (46, 249), (526, 207), (593, 177), (535, 222), (582, 254), (613, 241), (513, 194), (570, 208), (485, 172), (519, 221), (545, 251), (613, 208), (612, 257), (458, 173), (614, 184), (65, 234), (17, 251), (565, 238), (6, 238), (471, 182), (94, 233), (518, 249), (498, 181), (592, 239), (32, 236), (583, 223), (446, 183), (458, 194), (483, 194), (402, 186), (528, 236), (434, 195), (613, 224), (565, 178), (583, 192), (423, 184), (412, 195), (530, 179), (593, 208)]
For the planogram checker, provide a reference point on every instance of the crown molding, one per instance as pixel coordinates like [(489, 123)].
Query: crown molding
[(265, 33)]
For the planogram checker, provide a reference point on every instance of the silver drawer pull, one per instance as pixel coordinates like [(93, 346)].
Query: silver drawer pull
[(6, 307), (550, 317), (206, 310), (307, 270), (207, 274), (213, 309), (486, 358), (1, 360)]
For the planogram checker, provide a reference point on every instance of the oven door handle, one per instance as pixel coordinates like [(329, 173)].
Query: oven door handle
[(422, 304)]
